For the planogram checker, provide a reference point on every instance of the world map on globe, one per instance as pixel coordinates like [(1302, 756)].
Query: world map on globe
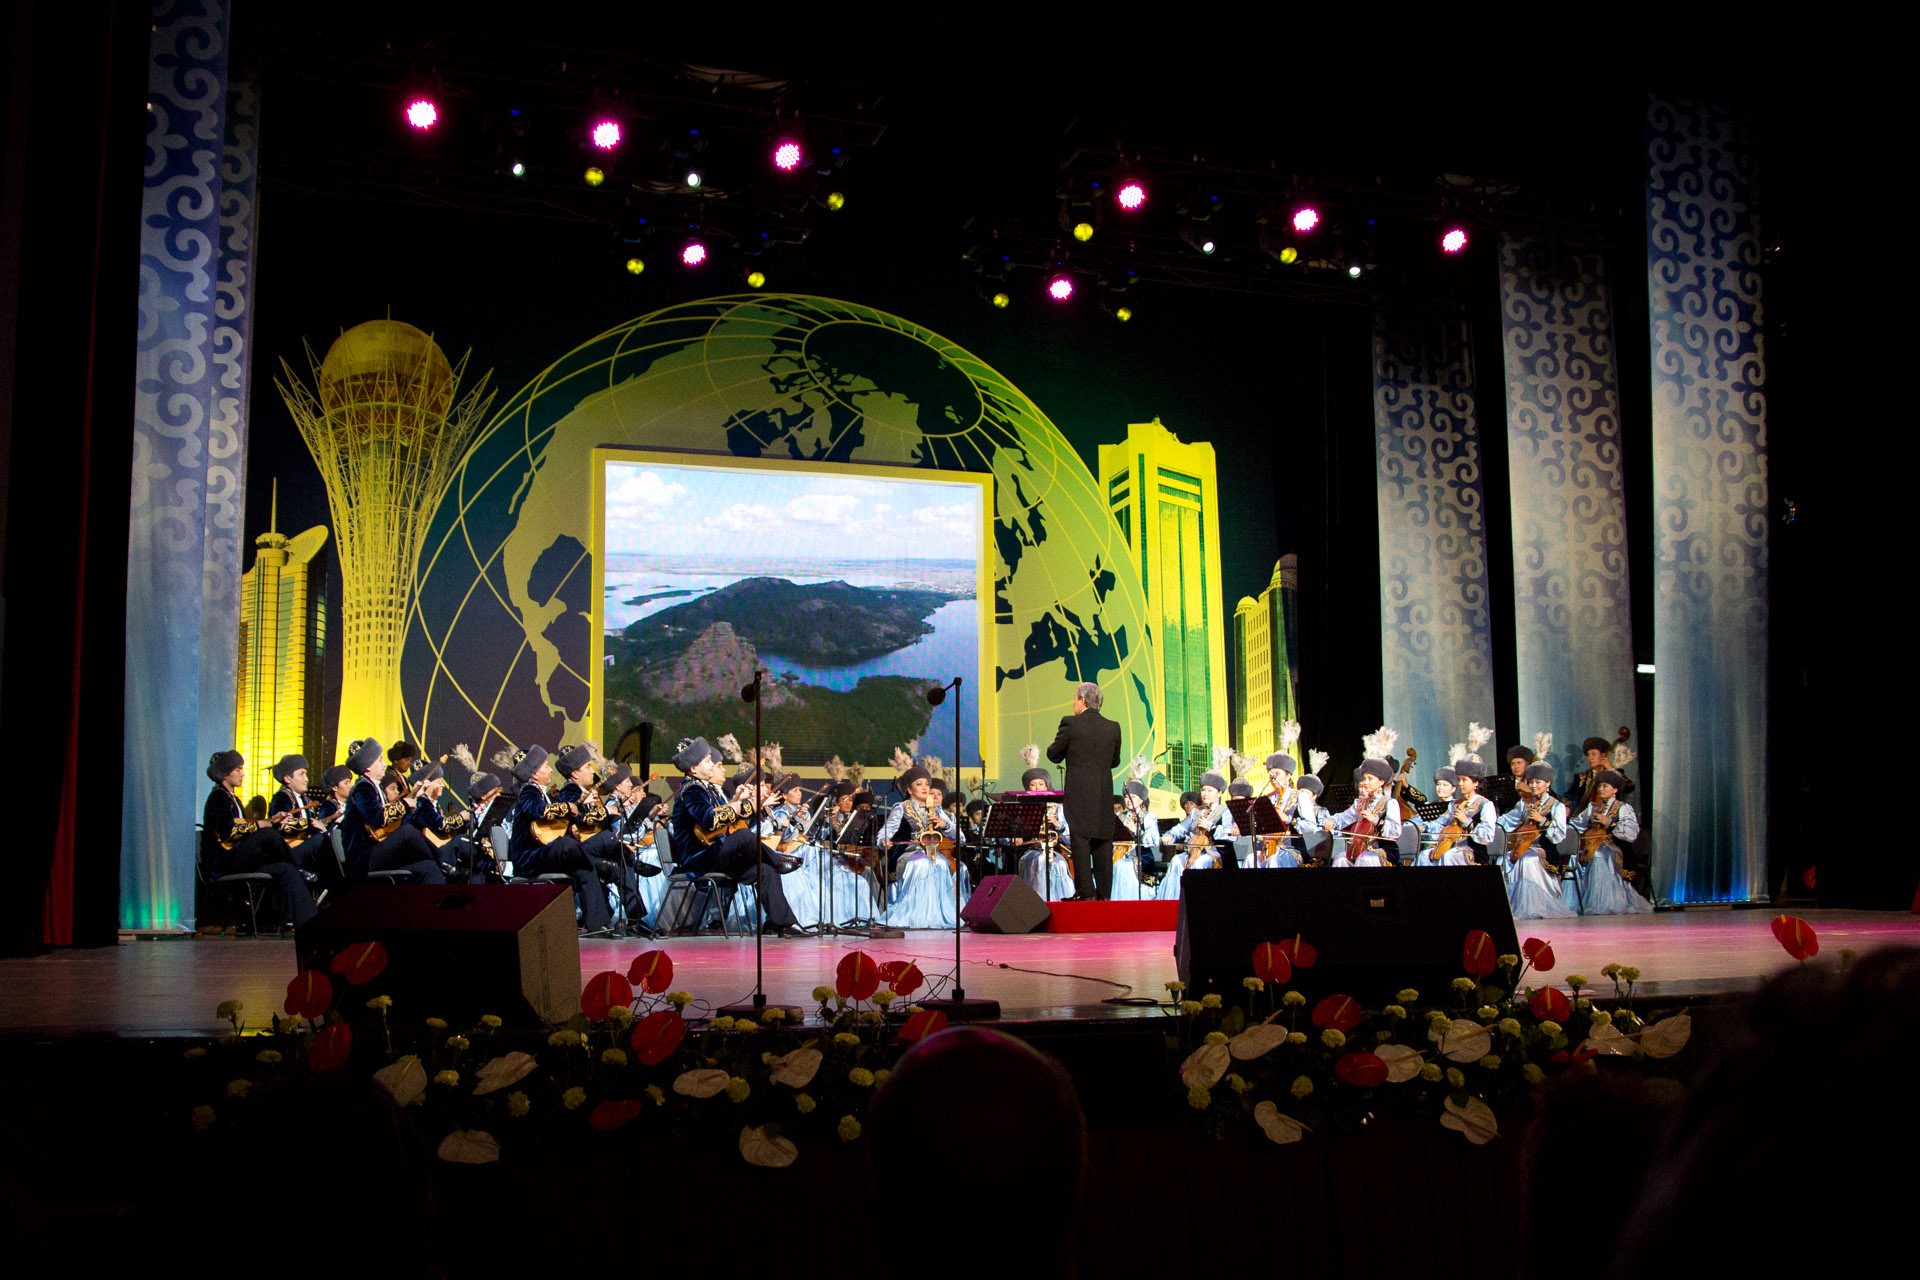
[(499, 646)]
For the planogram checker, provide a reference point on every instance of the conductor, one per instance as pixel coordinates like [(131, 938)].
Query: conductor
[(1088, 744)]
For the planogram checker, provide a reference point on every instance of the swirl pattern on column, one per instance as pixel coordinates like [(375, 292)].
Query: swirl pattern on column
[(1436, 650), (1572, 614), (1710, 507)]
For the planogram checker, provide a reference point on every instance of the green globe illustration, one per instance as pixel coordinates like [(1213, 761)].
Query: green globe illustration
[(499, 647)]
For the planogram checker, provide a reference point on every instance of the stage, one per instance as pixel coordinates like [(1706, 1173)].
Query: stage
[(163, 988)]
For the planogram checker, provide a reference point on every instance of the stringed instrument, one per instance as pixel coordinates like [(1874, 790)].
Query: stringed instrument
[(1363, 832), (392, 815), (1456, 828), (1599, 832), (1532, 823), (1401, 783), (452, 826), (241, 830), (552, 824), (727, 818)]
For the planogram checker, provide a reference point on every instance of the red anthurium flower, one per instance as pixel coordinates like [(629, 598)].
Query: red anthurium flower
[(331, 1047), (1270, 963), (604, 991), (1361, 1070), (613, 1113), (1479, 957), (907, 981), (1339, 1012), (360, 963), (651, 971), (923, 1024), (1300, 955), (309, 994), (1539, 954), (1797, 936), (1560, 1056), (1550, 1005), (858, 977), (657, 1035), (1584, 1055)]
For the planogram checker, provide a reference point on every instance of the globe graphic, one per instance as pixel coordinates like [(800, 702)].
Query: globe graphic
[(499, 641)]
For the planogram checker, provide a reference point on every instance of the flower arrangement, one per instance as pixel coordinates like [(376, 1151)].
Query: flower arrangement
[(1463, 1059), (632, 1061)]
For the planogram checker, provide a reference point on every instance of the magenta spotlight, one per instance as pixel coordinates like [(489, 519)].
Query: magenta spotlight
[(1454, 240), (606, 134), (693, 254), (1305, 218), (1060, 288), (422, 114), (1131, 195), (786, 155)]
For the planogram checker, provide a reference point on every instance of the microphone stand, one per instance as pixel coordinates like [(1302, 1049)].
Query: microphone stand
[(751, 693), (958, 1008)]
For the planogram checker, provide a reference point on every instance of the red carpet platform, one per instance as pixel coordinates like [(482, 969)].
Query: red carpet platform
[(1113, 917)]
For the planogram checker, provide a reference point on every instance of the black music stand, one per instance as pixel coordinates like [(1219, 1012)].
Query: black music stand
[(1256, 816), (1022, 815)]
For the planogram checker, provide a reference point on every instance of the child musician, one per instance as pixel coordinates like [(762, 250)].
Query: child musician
[(1374, 804), (1057, 886), (1210, 817), (1598, 889), (1459, 786), (1530, 886), (1297, 808), (1139, 826)]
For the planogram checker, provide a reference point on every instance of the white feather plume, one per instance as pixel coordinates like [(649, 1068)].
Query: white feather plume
[(1316, 761), (730, 748), (900, 761), (1542, 743), (1458, 751), (857, 773), (1378, 745), (836, 768), (502, 759), (1247, 766), (1478, 736), (1623, 755), (1030, 754), (913, 746), (770, 755), (932, 764), (1222, 758), (1289, 735), (462, 753), (1140, 767)]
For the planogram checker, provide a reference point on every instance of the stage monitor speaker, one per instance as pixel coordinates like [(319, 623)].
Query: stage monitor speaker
[(1005, 904), (457, 951), (1375, 930)]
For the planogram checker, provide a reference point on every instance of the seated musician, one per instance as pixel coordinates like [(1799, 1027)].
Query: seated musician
[(400, 758), (337, 781), (712, 834), (1045, 860), (376, 837), (637, 817), (593, 827), (1209, 818), (1467, 812), (312, 851), (1243, 853), (1580, 793), (1295, 806), (1539, 822), (783, 827), (1377, 808), (230, 845), (1607, 824), (470, 850), (923, 895), (1309, 819), (1136, 834), (540, 843)]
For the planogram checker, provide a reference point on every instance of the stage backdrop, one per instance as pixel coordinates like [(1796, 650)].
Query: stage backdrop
[(189, 456), (499, 640), (1436, 649), (1572, 620), (1710, 508)]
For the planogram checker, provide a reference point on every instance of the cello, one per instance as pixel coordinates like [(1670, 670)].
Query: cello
[(1363, 831)]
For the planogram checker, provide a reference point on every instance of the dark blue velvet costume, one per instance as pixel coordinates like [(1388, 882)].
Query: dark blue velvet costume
[(314, 853), (264, 850), (561, 855), (406, 849), (733, 855)]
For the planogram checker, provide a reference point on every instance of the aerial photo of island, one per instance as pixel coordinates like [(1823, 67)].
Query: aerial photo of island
[(854, 594)]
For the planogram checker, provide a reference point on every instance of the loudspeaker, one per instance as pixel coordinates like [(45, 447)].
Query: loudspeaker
[(1005, 904), (457, 951), (1376, 929)]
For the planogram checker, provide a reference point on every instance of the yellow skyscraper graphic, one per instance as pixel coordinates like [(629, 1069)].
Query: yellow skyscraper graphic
[(283, 618), (1166, 500), (1262, 651)]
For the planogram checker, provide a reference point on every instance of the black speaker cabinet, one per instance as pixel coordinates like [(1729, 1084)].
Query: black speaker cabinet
[(1005, 904), (457, 951), (1375, 930)]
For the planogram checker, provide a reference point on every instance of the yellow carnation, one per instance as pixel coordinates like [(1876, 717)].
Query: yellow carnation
[(382, 1003), (518, 1104), (1510, 1026), (614, 1057), (1430, 1072), (1490, 1061), (1176, 987), (1394, 1011), (238, 1088), (1199, 1099), (1456, 1077), (491, 1021), (861, 1077), (438, 1024), (1216, 1037), (848, 1129), (657, 1094), (448, 1078), (1293, 999), (1301, 1087), (1333, 1037), (268, 1056), (845, 1038), (883, 997), (1210, 1001), (738, 1089), (1463, 984), (1253, 984), (679, 999), (228, 1009), (573, 1097), (1532, 1073), (1296, 1037), (805, 1102), (202, 1117), (1406, 995), (457, 1043), (1190, 1007)]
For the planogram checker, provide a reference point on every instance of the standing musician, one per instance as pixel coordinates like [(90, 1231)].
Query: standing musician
[(312, 852), (1599, 759), (1052, 877), (1468, 810), (1087, 747), (923, 888), (1377, 807), (711, 833), (1530, 887), (1137, 826), (374, 840), (229, 844), (562, 854), (1208, 817), (1604, 825)]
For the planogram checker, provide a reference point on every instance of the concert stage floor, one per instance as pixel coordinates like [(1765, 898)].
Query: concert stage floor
[(170, 987)]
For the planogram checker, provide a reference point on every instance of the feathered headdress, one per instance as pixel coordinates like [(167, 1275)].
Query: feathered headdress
[(836, 768), (1246, 766), (730, 748), (1458, 751), (1622, 756), (1222, 759), (856, 773), (501, 759), (1542, 743), (1478, 736), (770, 755), (1316, 761), (463, 756), (1378, 745), (1030, 755), (932, 764), (1140, 767), (900, 760), (1289, 735)]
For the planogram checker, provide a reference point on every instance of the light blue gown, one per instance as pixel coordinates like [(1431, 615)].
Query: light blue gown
[(1302, 816), (802, 886), (1219, 825), (1388, 833), (1597, 884), (1126, 866), (1530, 887), (1480, 821), (923, 895), (1059, 882)]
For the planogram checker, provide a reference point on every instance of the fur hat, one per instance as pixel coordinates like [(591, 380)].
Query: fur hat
[(691, 752), (840, 788), (1446, 773), (785, 783), (1539, 771), (619, 774), (1281, 760), (911, 776), (527, 763), (1378, 768), (1310, 783), (402, 750), (1134, 787), (480, 784), (362, 754), (1601, 745), (572, 758), (1469, 768), (1522, 753), (1241, 789), (1028, 778), (222, 763), (288, 765), (1214, 780), (335, 775), (1612, 777)]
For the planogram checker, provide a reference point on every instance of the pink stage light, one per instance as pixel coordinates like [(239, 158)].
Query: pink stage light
[(606, 134), (1454, 240), (422, 114), (1305, 218), (1060, 288), (1131, 196), (694, 254), (786, 156)]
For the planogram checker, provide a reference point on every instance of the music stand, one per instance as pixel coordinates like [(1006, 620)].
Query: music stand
[(1256, 816), (1021, 815)]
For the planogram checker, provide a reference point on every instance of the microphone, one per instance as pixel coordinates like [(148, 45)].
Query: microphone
[(750, 692), (938, 696)]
